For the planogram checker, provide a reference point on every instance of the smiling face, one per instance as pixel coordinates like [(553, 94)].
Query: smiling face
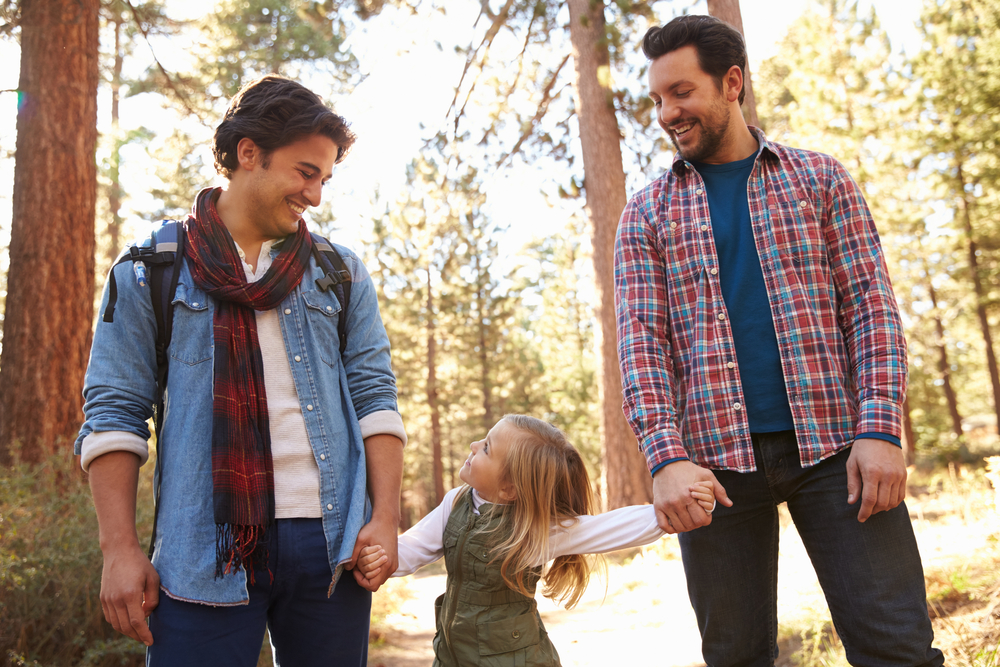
[(695, 109), (483, 470), (281, 185)]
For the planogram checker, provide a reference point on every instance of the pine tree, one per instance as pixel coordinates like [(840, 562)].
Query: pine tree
[(49, 305)]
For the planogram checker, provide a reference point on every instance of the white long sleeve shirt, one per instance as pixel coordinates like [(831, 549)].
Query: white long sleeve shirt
[(632, 526)]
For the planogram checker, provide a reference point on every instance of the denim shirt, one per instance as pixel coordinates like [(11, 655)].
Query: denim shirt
[(334, 392)]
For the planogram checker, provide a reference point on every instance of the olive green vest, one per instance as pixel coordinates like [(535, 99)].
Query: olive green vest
[(481, 621)]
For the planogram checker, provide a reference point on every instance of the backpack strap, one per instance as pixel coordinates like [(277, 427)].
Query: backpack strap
[(159, 266), (337, 278)]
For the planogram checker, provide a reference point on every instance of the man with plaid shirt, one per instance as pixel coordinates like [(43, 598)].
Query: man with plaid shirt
[(761, 348)]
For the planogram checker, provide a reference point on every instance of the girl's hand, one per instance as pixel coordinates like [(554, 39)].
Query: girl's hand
[(370, 561), (704, 493)]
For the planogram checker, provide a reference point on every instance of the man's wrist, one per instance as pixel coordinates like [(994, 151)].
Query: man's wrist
[(663, 464)]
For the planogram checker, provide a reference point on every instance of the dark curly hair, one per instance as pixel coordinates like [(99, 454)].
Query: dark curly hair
[(718, 44), (273, 112)]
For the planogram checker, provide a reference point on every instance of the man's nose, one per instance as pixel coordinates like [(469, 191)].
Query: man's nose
[(313, 192), (669, 114)]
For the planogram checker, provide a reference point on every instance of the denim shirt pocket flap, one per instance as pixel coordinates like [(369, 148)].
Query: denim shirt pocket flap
[(325, 303), (508, 634), (191, 333)]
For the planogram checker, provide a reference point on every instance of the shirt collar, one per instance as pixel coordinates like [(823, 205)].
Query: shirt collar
[(680, 164)]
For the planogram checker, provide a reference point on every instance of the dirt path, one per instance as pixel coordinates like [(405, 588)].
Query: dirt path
[(645, 616)]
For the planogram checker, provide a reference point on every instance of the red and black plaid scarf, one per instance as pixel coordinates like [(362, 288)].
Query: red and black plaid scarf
[(242, 472)]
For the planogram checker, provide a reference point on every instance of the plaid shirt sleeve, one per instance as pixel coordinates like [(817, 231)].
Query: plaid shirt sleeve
[(649, 385), (868, 314)]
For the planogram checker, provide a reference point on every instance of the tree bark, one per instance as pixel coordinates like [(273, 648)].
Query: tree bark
[(626, 479), (437, 466), (944, 366), (965, 205), (50, 300), (729, 11)]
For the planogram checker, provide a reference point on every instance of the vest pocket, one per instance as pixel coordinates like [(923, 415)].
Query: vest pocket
[(507, 636)]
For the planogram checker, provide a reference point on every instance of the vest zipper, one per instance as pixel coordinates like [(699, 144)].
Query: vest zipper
[(453, 603)]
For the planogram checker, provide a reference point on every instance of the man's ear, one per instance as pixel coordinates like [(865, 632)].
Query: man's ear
[(248, 154), (733, 82)]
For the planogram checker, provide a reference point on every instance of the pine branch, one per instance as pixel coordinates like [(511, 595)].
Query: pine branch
[(543, 107), (163, 70)]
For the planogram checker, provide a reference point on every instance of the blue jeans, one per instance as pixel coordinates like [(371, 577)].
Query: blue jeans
[(307, 628), (870, 572)]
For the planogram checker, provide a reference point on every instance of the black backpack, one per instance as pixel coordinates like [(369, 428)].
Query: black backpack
[(159, 264)]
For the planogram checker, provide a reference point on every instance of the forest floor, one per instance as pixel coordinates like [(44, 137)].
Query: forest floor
[(640, 614)]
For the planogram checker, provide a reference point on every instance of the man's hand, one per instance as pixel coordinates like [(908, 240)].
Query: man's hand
[(380, 534), (876, 472), (130, 591), (677, 511), (130, 587)]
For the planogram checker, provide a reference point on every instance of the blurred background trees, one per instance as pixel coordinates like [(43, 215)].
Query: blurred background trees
[(489, 314)]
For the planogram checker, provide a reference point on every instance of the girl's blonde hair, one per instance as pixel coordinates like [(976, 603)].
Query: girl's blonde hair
[(551, 486)]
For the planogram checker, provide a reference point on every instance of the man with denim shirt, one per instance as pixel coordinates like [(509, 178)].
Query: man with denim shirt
[(280, 456), (761, 348)]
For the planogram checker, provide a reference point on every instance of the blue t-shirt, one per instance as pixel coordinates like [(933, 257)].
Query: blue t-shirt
[(745, 296)]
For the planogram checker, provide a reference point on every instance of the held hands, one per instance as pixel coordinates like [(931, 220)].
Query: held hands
[(684, 496), (370, 562), (375, 554), (876, 472), (130, 591)]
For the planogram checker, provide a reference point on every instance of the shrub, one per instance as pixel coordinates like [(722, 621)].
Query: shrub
[(50, 568)]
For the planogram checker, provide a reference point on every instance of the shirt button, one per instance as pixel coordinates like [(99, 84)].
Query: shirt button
[(714, 271), (737, 406), (298, 358), (673, 225), (515, 634), (322, 457), (699, 191), (722, 316), (329, 309), (194, 305), (730, 365), (704, 228), (803, 204), (309, 407), (288, 311), (329, 506)]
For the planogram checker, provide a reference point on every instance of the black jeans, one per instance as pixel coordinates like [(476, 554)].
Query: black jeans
[(870, 572)]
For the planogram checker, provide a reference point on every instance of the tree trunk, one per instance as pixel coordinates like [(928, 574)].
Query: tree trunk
[(626, 478), (977, 284), (50, 298), (486, 387), (909, 438), (944, 367), (115, 191), (729, 11), (437, 466)]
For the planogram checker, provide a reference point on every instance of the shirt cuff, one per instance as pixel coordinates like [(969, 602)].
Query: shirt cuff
[(880, 436), (388, 422), (98, 444), (666, 463)]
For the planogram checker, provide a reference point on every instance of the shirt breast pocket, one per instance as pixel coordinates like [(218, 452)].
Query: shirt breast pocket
[(322, 315), (799, 237), (191, 336)]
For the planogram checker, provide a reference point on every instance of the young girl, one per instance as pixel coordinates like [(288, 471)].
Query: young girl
[(526, 501)]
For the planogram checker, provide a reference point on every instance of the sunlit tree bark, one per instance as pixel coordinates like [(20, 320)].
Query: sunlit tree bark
[(49, 306)]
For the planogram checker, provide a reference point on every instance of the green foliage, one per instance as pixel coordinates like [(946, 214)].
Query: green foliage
[(50, 569)]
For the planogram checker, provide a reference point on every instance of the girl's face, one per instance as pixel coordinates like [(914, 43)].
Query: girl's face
[(482, 470)]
